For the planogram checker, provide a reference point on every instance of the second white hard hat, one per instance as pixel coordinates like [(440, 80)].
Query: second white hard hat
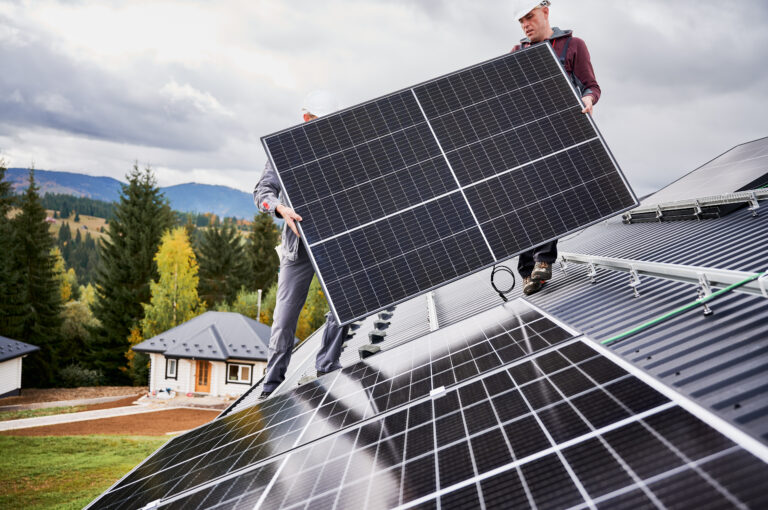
[(319, 103), (525, 6)]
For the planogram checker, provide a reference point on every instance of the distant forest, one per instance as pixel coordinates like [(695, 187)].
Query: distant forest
[(67, 205), (80, 251)]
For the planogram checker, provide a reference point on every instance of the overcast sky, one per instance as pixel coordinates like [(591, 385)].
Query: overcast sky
[(190, 87)]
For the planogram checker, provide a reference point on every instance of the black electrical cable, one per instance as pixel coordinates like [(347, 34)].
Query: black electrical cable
[(505, 269)]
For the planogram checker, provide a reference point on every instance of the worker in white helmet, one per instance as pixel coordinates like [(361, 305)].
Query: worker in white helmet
[(296, 272), (535, 266)]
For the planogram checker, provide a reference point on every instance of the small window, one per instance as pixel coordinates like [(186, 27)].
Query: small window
[(170, 368), (237, 373)]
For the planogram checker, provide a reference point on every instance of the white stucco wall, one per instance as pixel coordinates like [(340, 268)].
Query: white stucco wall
[(10, 375), (186, 372)]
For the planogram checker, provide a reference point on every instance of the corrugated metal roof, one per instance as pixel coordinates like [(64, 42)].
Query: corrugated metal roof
[(10, 349), (213, 336)]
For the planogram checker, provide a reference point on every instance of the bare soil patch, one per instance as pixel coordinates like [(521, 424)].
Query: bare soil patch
[(157, 423), (33, 395)]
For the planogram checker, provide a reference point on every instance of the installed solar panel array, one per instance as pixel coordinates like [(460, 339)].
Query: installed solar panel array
[(562, 427), (417, 188)]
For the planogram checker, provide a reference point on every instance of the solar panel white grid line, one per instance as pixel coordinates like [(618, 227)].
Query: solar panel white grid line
[(285, 403), (464, 383), (413, 250), (530, 458), (661, 476), (733, 433), (566, 465), (536, 202), (518, 127), (469, 206), (538, 455), (473, 184), (722, 490), (600, 438)]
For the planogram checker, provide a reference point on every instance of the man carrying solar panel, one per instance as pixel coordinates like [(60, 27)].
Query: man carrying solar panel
[(296, 272), (535, 266)]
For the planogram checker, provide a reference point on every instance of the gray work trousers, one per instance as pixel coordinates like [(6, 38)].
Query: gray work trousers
[(292, 287)]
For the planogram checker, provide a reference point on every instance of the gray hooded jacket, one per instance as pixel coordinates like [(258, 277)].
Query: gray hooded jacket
[(266, 195)]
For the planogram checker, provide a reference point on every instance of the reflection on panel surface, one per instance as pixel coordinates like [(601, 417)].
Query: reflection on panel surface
[(532, 433), (331, 403)]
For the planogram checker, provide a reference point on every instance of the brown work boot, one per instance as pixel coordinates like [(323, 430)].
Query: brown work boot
[(542, 271), (531, 286)]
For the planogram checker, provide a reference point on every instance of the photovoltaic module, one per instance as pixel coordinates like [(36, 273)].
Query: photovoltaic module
[(415, 189), (506, 409)]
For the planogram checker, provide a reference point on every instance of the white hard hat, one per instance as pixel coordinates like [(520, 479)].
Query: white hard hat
[(319, 103), (525, 6)]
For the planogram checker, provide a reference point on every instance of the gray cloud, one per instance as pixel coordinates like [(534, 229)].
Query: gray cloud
[(680, 84)]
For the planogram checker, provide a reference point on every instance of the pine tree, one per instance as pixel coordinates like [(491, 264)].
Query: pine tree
[(77, 217), (223, 264), (126, 266), (174, 295), (262, 255), (65, 234), (11, 307), (40, 320)]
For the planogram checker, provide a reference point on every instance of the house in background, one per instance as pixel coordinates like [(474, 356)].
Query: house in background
[(216, 353), (11, 353)]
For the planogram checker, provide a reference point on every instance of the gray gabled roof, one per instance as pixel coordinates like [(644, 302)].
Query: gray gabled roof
[(10, 349), (217, 336)]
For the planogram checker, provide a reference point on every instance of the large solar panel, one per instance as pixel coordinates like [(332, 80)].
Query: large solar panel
[(508, 409), (404, 193), (566, 428)]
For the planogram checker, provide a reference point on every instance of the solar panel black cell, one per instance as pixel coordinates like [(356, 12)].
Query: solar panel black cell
[(445, 178)]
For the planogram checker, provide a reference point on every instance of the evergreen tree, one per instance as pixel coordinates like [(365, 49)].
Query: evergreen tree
[(39, 290), (262, 255), (77, 217), (223, 264), (11, 307), (126, 267), (174, 295), (65, 234)]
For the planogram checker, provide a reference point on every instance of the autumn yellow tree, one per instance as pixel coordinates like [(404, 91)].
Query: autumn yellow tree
[(174, 296), (67, 279)]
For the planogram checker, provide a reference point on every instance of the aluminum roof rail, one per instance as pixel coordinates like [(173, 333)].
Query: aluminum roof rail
[(751, 197), (704, 277)]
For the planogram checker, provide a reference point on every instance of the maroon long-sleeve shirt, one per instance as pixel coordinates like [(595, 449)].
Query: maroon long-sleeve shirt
[(577, 60)]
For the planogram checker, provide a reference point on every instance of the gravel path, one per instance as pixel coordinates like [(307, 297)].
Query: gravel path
[(152, 423)]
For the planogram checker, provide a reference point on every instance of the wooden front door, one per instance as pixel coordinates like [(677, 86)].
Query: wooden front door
[(203, 379)]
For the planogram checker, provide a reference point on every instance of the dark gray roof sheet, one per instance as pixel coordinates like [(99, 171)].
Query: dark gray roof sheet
[(214, 336), (10, 349)]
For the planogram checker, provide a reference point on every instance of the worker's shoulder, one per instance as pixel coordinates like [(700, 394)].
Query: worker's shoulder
[(577, 42)]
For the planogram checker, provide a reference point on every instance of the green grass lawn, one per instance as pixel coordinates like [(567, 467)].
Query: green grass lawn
[(34, 413), (66, 471)]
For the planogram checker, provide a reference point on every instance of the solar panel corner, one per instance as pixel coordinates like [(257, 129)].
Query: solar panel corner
[(407, 192)]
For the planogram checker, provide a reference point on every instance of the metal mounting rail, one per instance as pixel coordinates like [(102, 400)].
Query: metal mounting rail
[(751, 197), (704, 277), (432, 312)]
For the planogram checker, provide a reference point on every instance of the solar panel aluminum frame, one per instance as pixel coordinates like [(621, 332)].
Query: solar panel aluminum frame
[(287, 200)]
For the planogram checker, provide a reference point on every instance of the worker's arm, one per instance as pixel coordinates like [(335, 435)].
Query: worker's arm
[(582, 69), (266, 196)]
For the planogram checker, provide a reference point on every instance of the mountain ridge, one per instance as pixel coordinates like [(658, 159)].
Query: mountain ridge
[(187, 197)]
